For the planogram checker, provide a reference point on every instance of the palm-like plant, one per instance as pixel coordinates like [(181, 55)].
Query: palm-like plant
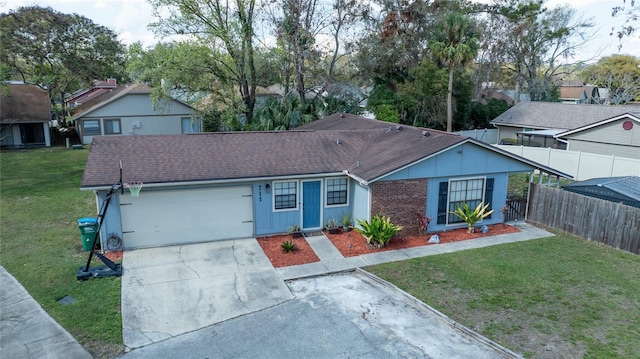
[(379, 231), (455, 45), (471, 217)]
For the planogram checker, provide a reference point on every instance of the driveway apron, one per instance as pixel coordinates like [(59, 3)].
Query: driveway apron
[(170, 291)]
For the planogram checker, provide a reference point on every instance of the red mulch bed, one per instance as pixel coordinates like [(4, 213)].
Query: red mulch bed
[(352, 243), (278, 258)]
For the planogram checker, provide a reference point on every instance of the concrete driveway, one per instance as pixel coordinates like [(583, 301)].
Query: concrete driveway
[(335, 316), (170, 291)]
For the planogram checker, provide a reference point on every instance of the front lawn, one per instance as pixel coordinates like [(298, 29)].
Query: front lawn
[(40, 244), (559, 297)]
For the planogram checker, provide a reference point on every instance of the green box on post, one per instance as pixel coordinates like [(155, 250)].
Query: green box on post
[(88, 228)]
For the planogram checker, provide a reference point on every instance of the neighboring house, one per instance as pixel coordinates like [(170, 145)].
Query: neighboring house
[(216, 186), (25, 115), (577, 92), (618, 135), (97, 88), (532, 116), (624, 190), (128, 110)]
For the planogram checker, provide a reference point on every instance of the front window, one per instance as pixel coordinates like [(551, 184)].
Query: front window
[(91, 128), (112, 127), (336, 191), (285, 195), (470, 191)]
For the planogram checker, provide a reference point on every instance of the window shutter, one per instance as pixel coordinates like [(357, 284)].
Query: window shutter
[(488, 195), (442, 202)]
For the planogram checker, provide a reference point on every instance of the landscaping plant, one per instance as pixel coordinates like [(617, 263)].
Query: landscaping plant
[(472, 217), (288, 246), (423, 222), (379, 231)]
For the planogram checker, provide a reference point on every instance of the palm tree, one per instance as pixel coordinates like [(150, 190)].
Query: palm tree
[(455, 45)]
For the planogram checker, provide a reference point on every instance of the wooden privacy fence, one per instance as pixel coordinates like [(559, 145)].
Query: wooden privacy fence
[(606, 222)]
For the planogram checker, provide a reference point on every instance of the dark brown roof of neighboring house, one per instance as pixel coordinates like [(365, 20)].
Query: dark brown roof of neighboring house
[(24, 103), (109, 96), (345, 121), (555, 115), (366, 153)]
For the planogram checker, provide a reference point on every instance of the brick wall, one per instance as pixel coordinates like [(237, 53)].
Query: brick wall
[(400, 200)]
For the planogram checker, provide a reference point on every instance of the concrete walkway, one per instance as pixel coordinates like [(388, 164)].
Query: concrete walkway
[(331, 261), (27, 331)]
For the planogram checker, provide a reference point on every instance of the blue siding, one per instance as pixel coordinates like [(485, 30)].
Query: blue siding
[(361, 203), (462, 161), (499, 199), (267, 221)]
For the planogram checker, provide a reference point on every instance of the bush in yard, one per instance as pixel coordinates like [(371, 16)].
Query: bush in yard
[(288, 246), (379, 231), (472, 217)]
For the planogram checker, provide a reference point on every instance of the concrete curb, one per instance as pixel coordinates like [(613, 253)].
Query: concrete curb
[(366, 276)]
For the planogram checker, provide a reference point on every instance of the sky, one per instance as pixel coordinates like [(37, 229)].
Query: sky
[(129, 18)]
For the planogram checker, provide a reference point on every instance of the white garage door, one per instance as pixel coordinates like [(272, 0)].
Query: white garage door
[(161, 218)]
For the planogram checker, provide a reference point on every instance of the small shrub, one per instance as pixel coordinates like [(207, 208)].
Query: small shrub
[(379, 231), (423, 222), (288, 246), (472, 217), (294, 229), (346, 220), (332, 223)]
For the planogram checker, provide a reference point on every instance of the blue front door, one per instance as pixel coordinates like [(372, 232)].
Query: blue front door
[(311, 204)]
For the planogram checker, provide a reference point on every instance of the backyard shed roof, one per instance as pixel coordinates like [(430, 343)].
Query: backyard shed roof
[(555, 115), (616, 189)]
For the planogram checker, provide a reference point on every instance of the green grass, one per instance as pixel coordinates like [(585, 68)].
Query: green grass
[(40, 243), (559, 297)]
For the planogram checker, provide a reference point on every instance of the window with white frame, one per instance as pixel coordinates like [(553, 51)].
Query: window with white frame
[(112, 126), (337, 191), (91, 127), (469, 191), (285, 195)]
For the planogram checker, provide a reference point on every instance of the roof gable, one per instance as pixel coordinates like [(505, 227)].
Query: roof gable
[(24, 103), (625, 116), (554, 115), (111, 96)]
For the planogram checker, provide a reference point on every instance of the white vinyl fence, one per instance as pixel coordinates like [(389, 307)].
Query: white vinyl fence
[(487, 135), (581, 165)]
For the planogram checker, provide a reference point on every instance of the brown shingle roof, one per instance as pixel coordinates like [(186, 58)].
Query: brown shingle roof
[(365, 153), (571, 92), (109, 96), (555, 115), (24, 103)]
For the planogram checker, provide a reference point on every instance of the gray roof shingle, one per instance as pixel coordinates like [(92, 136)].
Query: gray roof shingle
[(365, 153), (554, 115)]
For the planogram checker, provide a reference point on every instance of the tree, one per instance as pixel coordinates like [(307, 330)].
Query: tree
[(59, 52), (226, 31), (455, 45), (619, 74), (631, 15), (419, 96), (537, 42)]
